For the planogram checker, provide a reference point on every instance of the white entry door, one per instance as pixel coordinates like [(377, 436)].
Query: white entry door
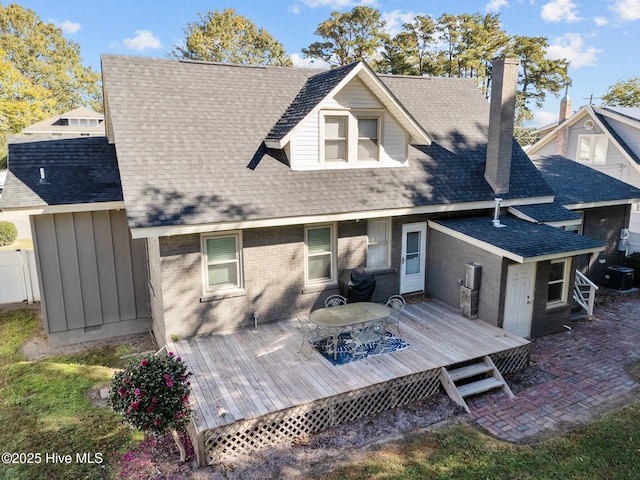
[(518, 308), (414, 248)]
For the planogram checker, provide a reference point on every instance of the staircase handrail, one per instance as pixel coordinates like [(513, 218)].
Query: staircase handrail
[(578, 295)]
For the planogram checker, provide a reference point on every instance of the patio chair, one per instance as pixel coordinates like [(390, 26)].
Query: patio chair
[(373, 333), (335, 300), (396, 303), (310, 334)]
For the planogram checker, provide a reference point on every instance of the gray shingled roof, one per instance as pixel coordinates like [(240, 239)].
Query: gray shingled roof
[(547, 212), (189, 139), (77, 170), (312, 93), (575, 183), (521, 238)]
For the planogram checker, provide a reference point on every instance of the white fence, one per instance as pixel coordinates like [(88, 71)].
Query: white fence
[(18, 277), (634, 243)]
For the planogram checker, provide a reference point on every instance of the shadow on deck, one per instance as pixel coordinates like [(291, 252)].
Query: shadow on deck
[(254, 388)]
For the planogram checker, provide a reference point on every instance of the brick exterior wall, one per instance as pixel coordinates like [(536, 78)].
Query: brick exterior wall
[(274, 280)]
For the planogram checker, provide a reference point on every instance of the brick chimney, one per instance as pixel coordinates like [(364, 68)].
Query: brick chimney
[(504, 80), (563, 132)]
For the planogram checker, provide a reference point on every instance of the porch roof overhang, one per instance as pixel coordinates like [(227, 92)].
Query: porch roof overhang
[(518, 240)]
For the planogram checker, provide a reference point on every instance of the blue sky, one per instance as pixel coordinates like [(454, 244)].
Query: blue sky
[(599, 37)]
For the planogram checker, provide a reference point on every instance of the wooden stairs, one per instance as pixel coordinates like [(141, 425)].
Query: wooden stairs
[(480, 376)]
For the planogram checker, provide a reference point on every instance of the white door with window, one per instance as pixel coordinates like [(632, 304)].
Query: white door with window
[(412, 263), (518, 308)]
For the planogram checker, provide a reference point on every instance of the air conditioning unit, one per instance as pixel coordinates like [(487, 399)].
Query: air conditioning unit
[(619, 277)]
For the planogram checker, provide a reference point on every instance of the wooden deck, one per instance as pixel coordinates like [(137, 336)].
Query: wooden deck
[(255, 386)]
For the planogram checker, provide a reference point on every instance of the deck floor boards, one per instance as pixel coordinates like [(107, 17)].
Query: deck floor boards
[(255, 372)]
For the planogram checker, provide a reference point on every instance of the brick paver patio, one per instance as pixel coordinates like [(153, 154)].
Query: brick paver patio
[(587, 369)]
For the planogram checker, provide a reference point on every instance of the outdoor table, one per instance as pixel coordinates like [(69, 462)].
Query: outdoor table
[(337, 319)]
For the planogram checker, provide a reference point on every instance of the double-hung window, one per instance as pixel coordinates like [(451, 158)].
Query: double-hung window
[(378, 234), (367, 139), (335, 138), (350, 136), (558, 282), (222, 261), (592, 148), (320, 254)]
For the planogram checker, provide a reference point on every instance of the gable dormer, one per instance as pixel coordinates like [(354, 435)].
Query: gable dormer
[(346, 118)]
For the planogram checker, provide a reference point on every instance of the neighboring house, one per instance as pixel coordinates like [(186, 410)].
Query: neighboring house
[(248, 189), (606, 139), (79, 122)]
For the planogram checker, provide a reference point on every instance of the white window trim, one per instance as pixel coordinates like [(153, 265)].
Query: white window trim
[(388, 250), (565, 280), (591, 137), (352, 135), (205, 271), (334, 254)]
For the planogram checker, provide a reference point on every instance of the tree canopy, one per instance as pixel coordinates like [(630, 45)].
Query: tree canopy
[(625, 93), (230, 38), (41, 73), (349, 37), (451, 46)]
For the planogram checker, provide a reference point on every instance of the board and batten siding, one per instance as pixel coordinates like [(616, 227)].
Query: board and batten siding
[(92, 275), (305, 145)]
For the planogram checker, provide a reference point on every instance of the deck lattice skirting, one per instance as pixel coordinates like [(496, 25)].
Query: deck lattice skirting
[(228, 436)]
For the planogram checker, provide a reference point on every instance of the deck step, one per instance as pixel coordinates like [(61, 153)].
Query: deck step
[(479, 377), (469, 371), (480, 386)]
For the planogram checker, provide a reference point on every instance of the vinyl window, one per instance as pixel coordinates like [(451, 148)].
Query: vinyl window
[(592, 148), (223, 262), (558, 282), (320, 254), (378, 236)]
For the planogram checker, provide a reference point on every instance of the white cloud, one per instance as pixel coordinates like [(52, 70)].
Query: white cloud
[(300, 62), (394, 21), (496, 5), (627, 9), (571, 46), (542, 119), (67, 26), (601, 21), (560, 11), (143, 40)]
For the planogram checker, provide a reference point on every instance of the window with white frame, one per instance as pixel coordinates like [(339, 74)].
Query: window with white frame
[(592, 148), (222, 261), (368, 139), (350, 136), (335, 139), (320, 253), (558, 282), (378, 236)]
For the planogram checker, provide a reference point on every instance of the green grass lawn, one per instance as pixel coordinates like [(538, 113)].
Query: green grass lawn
[(45, 409), (19, 244)]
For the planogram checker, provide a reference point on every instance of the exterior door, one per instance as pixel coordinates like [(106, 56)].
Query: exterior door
[(519, 299), (414, 248)]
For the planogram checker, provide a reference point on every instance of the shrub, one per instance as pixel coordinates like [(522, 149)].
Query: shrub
[(633, 261), (8, 233), (152, 395)]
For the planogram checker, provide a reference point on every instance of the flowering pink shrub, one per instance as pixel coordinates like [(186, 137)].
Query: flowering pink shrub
[(152, 394)]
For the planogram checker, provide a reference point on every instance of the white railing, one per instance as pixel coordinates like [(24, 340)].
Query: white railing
[(584, 293)]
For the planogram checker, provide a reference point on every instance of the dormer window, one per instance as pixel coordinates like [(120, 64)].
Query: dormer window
[(335, 139), (350, 136), (368, 136)]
